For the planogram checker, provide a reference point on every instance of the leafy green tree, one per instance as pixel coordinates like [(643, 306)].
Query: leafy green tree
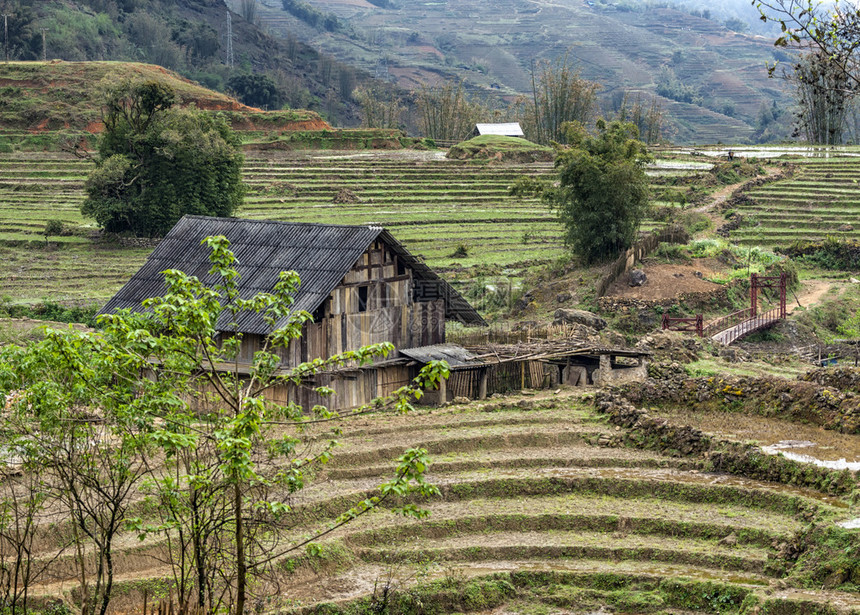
[(602, 194), (164, 407), (157, 163), (256, 91), (52, 228), (25, 41)]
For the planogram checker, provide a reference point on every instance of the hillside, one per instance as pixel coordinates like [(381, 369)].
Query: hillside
[(491, 47), (188, 37), (39, 97)]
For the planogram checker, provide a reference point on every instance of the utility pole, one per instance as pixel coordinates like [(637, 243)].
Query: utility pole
[(229, 39), (6, 37), (44, 46)]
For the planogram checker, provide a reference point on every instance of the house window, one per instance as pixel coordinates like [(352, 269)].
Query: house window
[(319, 313), (362, 298)]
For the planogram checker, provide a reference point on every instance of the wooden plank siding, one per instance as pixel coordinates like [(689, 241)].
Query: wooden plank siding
[(374, 303)]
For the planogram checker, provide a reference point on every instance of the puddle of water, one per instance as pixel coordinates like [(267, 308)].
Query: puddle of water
[(853, 524), (685, 166), (836, 464), (820, 446), (809, 152)]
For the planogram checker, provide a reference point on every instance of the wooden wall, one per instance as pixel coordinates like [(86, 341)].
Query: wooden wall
[(374, 303), (352, 387)]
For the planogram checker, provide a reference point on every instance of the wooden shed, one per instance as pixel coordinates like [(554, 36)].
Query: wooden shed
[(361, 285)]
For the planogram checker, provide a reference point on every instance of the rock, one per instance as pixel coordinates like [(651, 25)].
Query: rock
[(637, 277), (647, 318), (846, 228), (835, 579), (729, 541), (461, 400), (523, 302), (564, 316), (563, 297), (734, 355), (614, 339), (699, 274), (854, 280)]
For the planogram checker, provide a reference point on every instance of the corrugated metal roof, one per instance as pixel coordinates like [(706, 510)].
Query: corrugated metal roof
[(320, 253), (511, 129), (455, 355)]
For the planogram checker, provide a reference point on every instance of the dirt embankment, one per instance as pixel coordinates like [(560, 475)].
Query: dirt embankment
[(665, 282), (792, 400), (650, 432), (513, 156)]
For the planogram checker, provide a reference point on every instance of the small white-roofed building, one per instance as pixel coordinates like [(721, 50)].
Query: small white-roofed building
[(510, 129)]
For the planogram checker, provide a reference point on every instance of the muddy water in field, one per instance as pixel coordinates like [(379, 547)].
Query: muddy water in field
[(804, 443), (807, 152)]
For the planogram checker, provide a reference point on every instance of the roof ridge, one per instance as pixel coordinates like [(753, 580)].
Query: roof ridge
[(283, 222)]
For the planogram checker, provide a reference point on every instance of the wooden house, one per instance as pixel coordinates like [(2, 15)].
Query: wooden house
[(361, 285)]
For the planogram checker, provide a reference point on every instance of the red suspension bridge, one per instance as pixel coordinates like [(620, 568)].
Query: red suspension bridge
[(734, 326)]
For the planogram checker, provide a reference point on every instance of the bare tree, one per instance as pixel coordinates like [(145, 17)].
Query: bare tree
[(810, 27), (380, 107), (96, 467), (25, 520)]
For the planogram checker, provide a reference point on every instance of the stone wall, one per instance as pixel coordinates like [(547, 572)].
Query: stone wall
[(698, 300), (605, 374), (846, 379)]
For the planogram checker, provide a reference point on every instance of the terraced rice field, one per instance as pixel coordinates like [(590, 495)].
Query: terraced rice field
[(528, 490), (433, 205), (532, 493), (822, 199)]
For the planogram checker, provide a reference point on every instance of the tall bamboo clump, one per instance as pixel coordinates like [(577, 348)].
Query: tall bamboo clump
[(648, 117), (559, 95), (380, 107), (447, 113), (822, 92)]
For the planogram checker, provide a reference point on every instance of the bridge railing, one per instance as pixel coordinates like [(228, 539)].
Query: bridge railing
[(727, 322), (696, 324), (759, 321)]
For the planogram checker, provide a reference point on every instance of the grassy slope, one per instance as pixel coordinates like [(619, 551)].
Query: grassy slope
[(496, 142), (37, 96)]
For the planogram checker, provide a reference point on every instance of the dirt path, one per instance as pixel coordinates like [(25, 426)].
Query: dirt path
[(812, 292), (721, 196)]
